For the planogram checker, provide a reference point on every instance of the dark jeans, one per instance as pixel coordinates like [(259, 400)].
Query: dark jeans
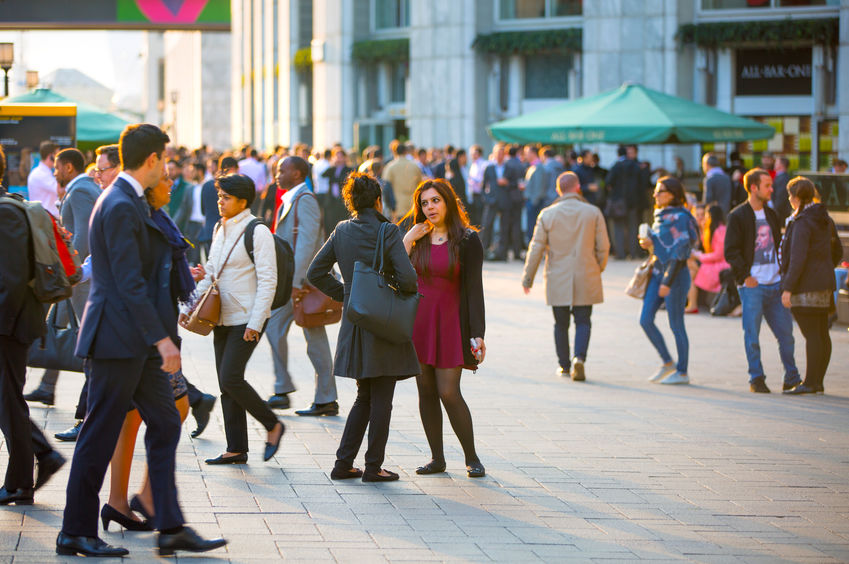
[(511, 231), (372, 408), (232, 353), (676, 303), (625, 235), (23, 437), (583, 326), (814, 326)]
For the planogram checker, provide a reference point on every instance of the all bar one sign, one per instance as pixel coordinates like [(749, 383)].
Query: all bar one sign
[(769, 72)]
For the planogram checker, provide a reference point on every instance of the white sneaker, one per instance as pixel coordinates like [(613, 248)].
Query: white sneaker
[(662, 373), (676, 378)]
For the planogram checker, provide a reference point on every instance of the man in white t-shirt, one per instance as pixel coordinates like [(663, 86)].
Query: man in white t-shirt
[(41, 185), (751, 248)]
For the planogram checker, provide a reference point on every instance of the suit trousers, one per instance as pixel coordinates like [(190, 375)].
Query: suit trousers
[(490, 212), (318, 351), (511, 231), (23, 437), (238, 397), (625, 238), (372, 409), (115, 384)]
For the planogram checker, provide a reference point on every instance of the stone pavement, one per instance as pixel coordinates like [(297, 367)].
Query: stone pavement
[(611, 469)]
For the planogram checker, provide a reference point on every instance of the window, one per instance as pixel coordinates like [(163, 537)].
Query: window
[(547, 76), (390, 14), (524, 9), (746, 4), (398, 83)]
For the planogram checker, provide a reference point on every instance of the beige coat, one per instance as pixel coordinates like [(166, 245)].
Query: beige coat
[(572, 236)]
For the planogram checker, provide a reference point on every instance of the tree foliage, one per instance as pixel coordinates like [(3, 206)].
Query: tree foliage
[(567, 40), (775, 34)]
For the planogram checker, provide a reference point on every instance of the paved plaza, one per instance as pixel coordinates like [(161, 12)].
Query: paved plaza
[(614, 468)]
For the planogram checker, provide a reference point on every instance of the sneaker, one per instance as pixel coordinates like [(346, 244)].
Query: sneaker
[(562, 372), (676, 378), (758, 386), (662, 373), (577, 372)]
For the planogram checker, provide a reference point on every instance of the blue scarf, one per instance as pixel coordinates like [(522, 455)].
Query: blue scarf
[(179, 245), (674, 233)]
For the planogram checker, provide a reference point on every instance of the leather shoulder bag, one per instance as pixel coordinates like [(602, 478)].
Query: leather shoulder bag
[(636, 287), (312, 308), (378, 307), (55, 350), (206, 313)]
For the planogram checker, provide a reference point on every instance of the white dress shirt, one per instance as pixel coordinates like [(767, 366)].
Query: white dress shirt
[(42, 187), (255, 170), (133, 182)]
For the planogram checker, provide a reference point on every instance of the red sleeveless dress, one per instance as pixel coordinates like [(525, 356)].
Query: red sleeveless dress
[(436, 333)]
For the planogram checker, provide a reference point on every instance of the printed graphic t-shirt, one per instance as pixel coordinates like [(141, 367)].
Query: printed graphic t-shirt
[(765, 263)]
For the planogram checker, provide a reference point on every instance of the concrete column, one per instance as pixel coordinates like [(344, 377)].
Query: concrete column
[(236, 73), (516, 85), (155, 52), (333, 84), (843, 83), (216, 103)]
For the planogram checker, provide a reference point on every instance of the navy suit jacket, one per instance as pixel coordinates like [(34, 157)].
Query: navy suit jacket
[(209, 208), (124, 315)]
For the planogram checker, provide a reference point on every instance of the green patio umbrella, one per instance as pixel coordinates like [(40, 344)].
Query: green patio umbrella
[(631, 113), (94, 126)]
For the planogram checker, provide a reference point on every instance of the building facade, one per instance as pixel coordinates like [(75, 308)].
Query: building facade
[(363, 72)]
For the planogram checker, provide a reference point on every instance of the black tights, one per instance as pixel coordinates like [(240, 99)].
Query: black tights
[(437, 384), (814, 326)]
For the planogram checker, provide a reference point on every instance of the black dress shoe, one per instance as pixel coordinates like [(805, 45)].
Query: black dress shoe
[(201, 413), (801, 389), (21, 496), (70, 435), (47, 466), (758, 386), (337, 474), (70, 545), (279, 401), (41, 396), (137, 506), (187, 540), (432, 467), (330, 408), (475, 470), (377, 477), (786, 386), (237, 459), (271, 448), (109, 513)]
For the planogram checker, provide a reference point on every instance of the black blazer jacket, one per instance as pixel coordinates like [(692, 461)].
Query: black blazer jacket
[(740, 238)]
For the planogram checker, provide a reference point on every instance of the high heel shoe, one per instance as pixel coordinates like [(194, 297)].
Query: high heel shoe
[(137, 506), (271, 448), (109, 513)]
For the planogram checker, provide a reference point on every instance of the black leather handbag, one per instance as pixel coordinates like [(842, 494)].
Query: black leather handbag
[(56, 348), (376, 305)]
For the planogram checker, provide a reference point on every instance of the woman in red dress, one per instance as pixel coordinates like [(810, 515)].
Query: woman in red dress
[(449, 329)]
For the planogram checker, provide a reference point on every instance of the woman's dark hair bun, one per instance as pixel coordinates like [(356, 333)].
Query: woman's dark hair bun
[(360, 192)]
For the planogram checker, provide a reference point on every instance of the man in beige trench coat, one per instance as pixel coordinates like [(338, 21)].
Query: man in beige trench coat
[(572, 236)]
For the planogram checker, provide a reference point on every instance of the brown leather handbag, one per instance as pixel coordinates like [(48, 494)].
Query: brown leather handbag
[(313, 308), (206, 313)]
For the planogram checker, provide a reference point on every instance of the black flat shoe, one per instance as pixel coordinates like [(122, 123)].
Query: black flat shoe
[(432, 467), (236, 459), (475, 470), (70, 435), (801, 389), (201, 413), (109, 513), (377, 477), (336, 474), (137, 506), (40, 396), (48, 466), (70, 545), (187, 540), (21, 496), (317, 409), (271, 448)]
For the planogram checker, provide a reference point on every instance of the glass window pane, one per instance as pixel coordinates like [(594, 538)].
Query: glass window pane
[(398, 85), (566, 7), (391, 13), (793, 3), (547, 76), (520, 9), (733, 4)]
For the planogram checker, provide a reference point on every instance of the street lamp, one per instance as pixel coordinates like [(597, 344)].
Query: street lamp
[(7, 58)]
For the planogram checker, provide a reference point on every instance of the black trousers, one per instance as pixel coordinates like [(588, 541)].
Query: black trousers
[(372, 409), (232, 353), (23, 437), (488, 215), (511, 231), (113, 384), (194, 394), (814, 326)]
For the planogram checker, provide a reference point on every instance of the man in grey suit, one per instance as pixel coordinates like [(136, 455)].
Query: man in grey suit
[(291, 176), (81, 192), (718, 188)]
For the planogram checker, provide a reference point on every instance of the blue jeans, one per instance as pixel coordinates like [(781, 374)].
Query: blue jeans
[(676, 303), (764, 302), (561, 332)]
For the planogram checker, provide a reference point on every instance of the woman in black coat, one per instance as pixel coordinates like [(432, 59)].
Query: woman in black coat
[(375, 364), (810, 250)]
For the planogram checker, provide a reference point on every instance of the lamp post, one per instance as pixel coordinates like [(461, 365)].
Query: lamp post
[(7, 58)]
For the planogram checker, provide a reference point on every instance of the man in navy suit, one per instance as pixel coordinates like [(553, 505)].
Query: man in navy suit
[(126, 340)]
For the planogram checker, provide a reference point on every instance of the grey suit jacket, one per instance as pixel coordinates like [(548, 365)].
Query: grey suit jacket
[(718, 190), (76, 212), (309, 231)]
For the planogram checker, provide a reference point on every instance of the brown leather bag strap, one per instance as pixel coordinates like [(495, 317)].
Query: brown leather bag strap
[(295, 211)]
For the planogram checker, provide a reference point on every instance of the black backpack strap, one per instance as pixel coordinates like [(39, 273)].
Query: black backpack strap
[(249, 238)]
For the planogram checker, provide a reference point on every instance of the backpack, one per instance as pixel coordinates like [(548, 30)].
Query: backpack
[(56, 265), (285, 264)]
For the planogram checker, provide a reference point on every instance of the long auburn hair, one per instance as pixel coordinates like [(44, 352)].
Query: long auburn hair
[(456, 220)]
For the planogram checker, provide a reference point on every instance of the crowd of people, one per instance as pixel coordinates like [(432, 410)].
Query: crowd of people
[(161, 228)]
